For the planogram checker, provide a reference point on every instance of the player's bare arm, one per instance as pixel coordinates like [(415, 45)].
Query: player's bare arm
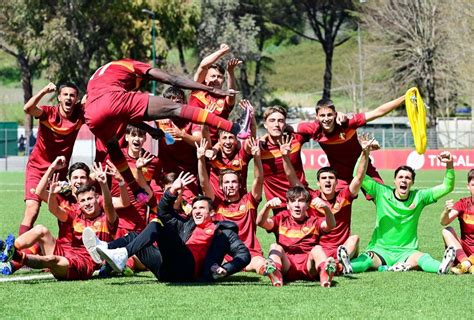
[(285, 149), (262, 217), (53, 205), (101, 178), (257, 185), (449, 214), (200, 74), (202, 170), (330, 221), (384, 109), (42, 187), (31, 107), (123, 200), (230, 75), (368, 144)]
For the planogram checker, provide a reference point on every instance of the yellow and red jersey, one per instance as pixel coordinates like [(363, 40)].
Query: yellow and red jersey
[(465, 207)]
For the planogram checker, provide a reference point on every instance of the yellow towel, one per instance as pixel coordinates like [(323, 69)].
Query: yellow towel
[(416, 112)]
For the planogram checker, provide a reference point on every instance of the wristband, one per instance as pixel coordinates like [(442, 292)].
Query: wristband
[(121, 183)]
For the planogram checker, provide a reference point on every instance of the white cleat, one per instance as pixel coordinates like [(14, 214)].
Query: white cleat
[(343, 257), (91, 242), (399, 267), (448, 259), (116, 258)]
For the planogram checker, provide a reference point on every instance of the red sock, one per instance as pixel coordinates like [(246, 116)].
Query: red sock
[(460, 255), (118, 159), (23, 228), (34, 249), (202, 116)]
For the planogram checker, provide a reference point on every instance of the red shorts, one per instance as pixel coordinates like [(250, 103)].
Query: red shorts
[(81, 266), (108, 115), (298, 268)]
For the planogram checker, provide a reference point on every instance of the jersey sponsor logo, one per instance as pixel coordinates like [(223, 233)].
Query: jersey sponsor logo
[(208, 231)]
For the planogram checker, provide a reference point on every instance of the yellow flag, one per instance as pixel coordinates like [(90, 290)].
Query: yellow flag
[(416, 112)]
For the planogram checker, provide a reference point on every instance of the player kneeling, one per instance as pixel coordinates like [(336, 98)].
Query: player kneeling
[(297, 255)]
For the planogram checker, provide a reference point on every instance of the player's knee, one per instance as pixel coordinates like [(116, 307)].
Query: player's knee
[(356, 239), (41, 230), (447, 231)]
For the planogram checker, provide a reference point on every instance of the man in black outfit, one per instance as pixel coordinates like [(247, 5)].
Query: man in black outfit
[(191, 250)]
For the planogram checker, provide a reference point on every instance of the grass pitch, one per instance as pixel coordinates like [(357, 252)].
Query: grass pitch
[(245, 295)]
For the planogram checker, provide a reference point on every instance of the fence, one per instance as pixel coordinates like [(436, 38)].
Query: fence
[(393, 138)]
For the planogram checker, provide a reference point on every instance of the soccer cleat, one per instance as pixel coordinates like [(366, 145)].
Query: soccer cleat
[(448, 259), (343, 257), (6, 268), (8, 248), (116, 258), (91, 242), (400, 267), (330, 269), (459, 269)]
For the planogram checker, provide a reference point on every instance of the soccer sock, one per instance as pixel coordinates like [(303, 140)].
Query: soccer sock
[(323, 275), (202, 116), (428, 264), (34, 249), (23, 228), (460, 255), (361, 263), (118, 159)]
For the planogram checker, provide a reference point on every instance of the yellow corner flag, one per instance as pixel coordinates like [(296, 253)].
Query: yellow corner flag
[(416, 112)]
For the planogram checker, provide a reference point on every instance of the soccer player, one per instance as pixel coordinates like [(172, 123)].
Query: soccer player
[(275, 183), (212, 74), (57, 132), (463, 209), (68, 260), (191, 250), (394, 242), (237, 206), (297, 255), (335, 137), (181, 155), (339, 243), (113, 102)]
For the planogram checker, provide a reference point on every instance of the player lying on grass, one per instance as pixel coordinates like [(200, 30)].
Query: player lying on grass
[(394, 242), (464, 245), (68, 260), (57, 132), (336, 137), (212, 74), (297, 254), (113, 102), (238, 206), (339, 243), (191, 250)]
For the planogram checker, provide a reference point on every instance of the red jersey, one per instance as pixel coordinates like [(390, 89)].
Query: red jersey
[(275, 183), (341, 146), (239, 163), (244, 214), (465, 207), (103, 229), (202, 99), (68, 204), (296, 237), (199, 244), (341, 207), (133, 217), (120, 75), (56, 137)]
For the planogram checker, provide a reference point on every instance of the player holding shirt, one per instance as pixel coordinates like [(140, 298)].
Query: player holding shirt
[(464, 211), (181, 155), (335, 138), (113, 102), (394, 242), (275, 183), (68, 260), (191, 250), (296, 254), (57, 132), (212, 74), (339, 243), (236, 206)]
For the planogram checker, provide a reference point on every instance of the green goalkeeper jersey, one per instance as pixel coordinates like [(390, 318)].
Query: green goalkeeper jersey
[(397, 220)]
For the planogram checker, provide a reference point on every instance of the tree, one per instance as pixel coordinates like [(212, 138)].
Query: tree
[(21, 28), (329, 20)]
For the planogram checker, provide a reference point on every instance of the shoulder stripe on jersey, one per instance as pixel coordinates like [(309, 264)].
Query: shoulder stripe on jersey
[(62, 131)]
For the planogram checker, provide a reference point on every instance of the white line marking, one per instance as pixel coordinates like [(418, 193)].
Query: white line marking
[(27, 278)]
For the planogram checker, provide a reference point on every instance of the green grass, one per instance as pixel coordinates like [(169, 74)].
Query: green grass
[(368, 295)]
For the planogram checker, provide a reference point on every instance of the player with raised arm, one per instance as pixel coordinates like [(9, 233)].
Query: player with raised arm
[(68, 260), (191, 250), (394, 242), (337, 137), (57, 132), (113, 102), (463, 209), (297, 254)]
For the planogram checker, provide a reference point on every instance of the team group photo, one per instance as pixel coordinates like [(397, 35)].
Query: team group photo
[(239, 159)]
